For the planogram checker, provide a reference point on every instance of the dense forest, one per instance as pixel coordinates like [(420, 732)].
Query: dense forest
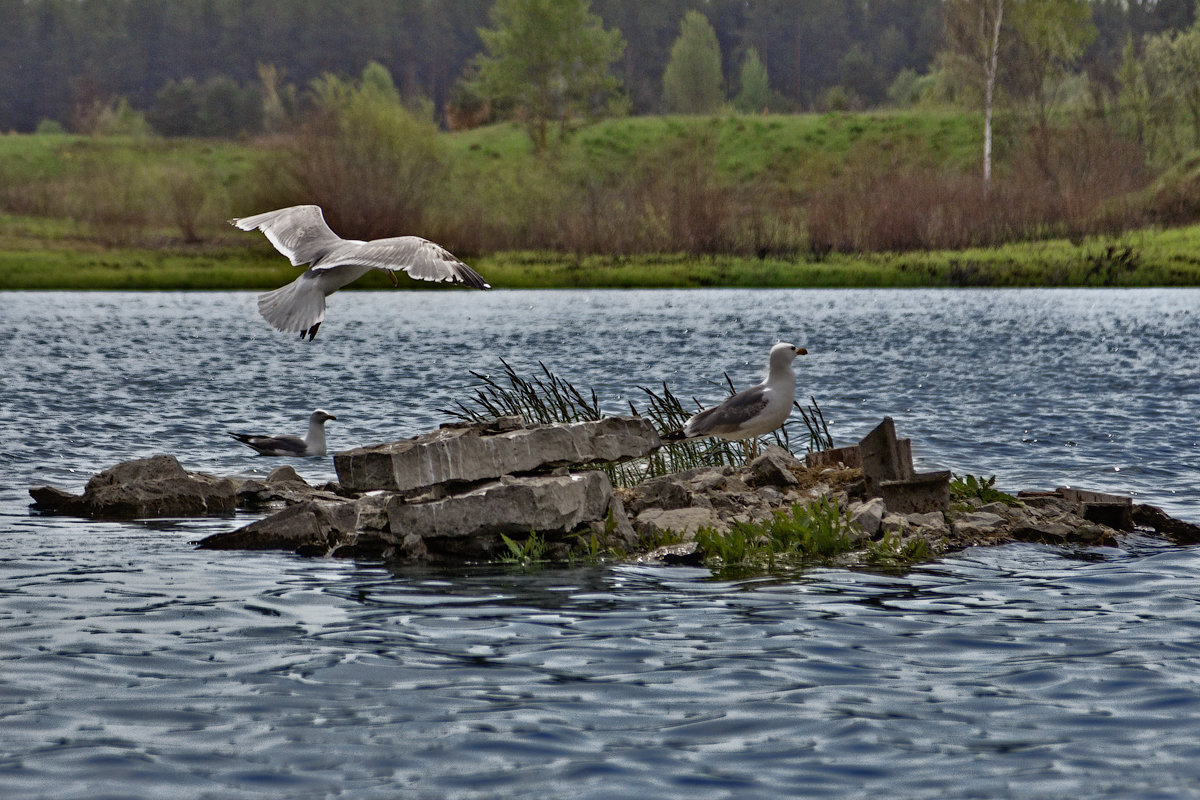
[(62, 59)]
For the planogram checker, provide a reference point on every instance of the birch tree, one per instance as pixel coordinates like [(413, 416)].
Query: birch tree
[(973, 32)]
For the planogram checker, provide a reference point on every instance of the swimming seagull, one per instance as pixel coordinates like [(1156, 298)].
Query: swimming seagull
[(313, 444), (751, 412), (300, 233)]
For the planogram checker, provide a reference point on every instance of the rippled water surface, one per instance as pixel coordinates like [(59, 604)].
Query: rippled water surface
[(132, 665)]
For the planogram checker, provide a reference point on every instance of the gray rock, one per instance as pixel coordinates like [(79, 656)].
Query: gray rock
[(148, 487), (311, 528), (285, 474), (773, 468), (1047, 532), (685, 521), (473, 453), (1158, 520), (868, 516), (668, 491), (977, 523), (933, 520), (472, 522)]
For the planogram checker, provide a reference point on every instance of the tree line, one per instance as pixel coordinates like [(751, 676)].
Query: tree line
[(216, 67)]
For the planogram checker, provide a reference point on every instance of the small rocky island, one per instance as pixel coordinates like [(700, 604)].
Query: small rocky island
[(468, 491)]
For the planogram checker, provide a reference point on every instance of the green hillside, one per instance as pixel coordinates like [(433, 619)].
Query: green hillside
[(733, 200)]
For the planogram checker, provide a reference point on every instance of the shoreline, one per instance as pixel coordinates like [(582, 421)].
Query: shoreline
[(1145, 258)]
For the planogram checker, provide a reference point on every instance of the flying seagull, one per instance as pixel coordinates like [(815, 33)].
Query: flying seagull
[(300, 233), (313, 444), (751, 412)]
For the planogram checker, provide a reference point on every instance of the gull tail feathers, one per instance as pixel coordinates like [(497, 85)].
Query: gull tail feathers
[(295, 307)]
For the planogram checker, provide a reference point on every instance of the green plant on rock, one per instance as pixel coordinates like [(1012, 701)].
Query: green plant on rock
[(894, 550), (966, 487), (527, 553), (661, 537), (589, 550), (589, 547), (809, 533)]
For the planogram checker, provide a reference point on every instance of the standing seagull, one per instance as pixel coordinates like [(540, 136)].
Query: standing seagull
[(312, 444), (300, 233), (751, 412)]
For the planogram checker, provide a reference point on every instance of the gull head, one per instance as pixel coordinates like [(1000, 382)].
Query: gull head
[(783, 353), (320, 415)]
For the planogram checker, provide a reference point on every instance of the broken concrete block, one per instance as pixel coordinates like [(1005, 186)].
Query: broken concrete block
[(469, 454), (849, 457), (1115, 511), (883, 459), (918, 494)]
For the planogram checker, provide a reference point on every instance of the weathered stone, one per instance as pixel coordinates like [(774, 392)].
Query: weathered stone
[(148, 487), (685, 521), (311, 525), (1041, 499), (616, 528), (667, 491), (285, 474), (918, 494), (470, 454), (977, 523), (932, 520), (773, 468), (1158, 520), (555, 505), (1046, 532), (283, 485), (868, 516)]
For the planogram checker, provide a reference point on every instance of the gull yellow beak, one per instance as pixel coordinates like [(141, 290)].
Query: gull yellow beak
[(800, 351), (392, 278)]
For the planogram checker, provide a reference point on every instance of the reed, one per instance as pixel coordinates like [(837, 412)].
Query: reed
[(547, 398)]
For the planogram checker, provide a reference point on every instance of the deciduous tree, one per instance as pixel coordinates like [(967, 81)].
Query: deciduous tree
[(692, 83), (973, 34), (754, 93), (548, 61)]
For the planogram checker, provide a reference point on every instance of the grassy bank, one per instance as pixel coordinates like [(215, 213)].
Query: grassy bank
[(1168, 257), (873, 199)]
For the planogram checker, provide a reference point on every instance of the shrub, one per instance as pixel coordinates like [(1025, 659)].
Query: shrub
[(370, 161)]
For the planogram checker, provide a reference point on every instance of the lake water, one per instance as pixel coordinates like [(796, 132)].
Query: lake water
[(132, 665)]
